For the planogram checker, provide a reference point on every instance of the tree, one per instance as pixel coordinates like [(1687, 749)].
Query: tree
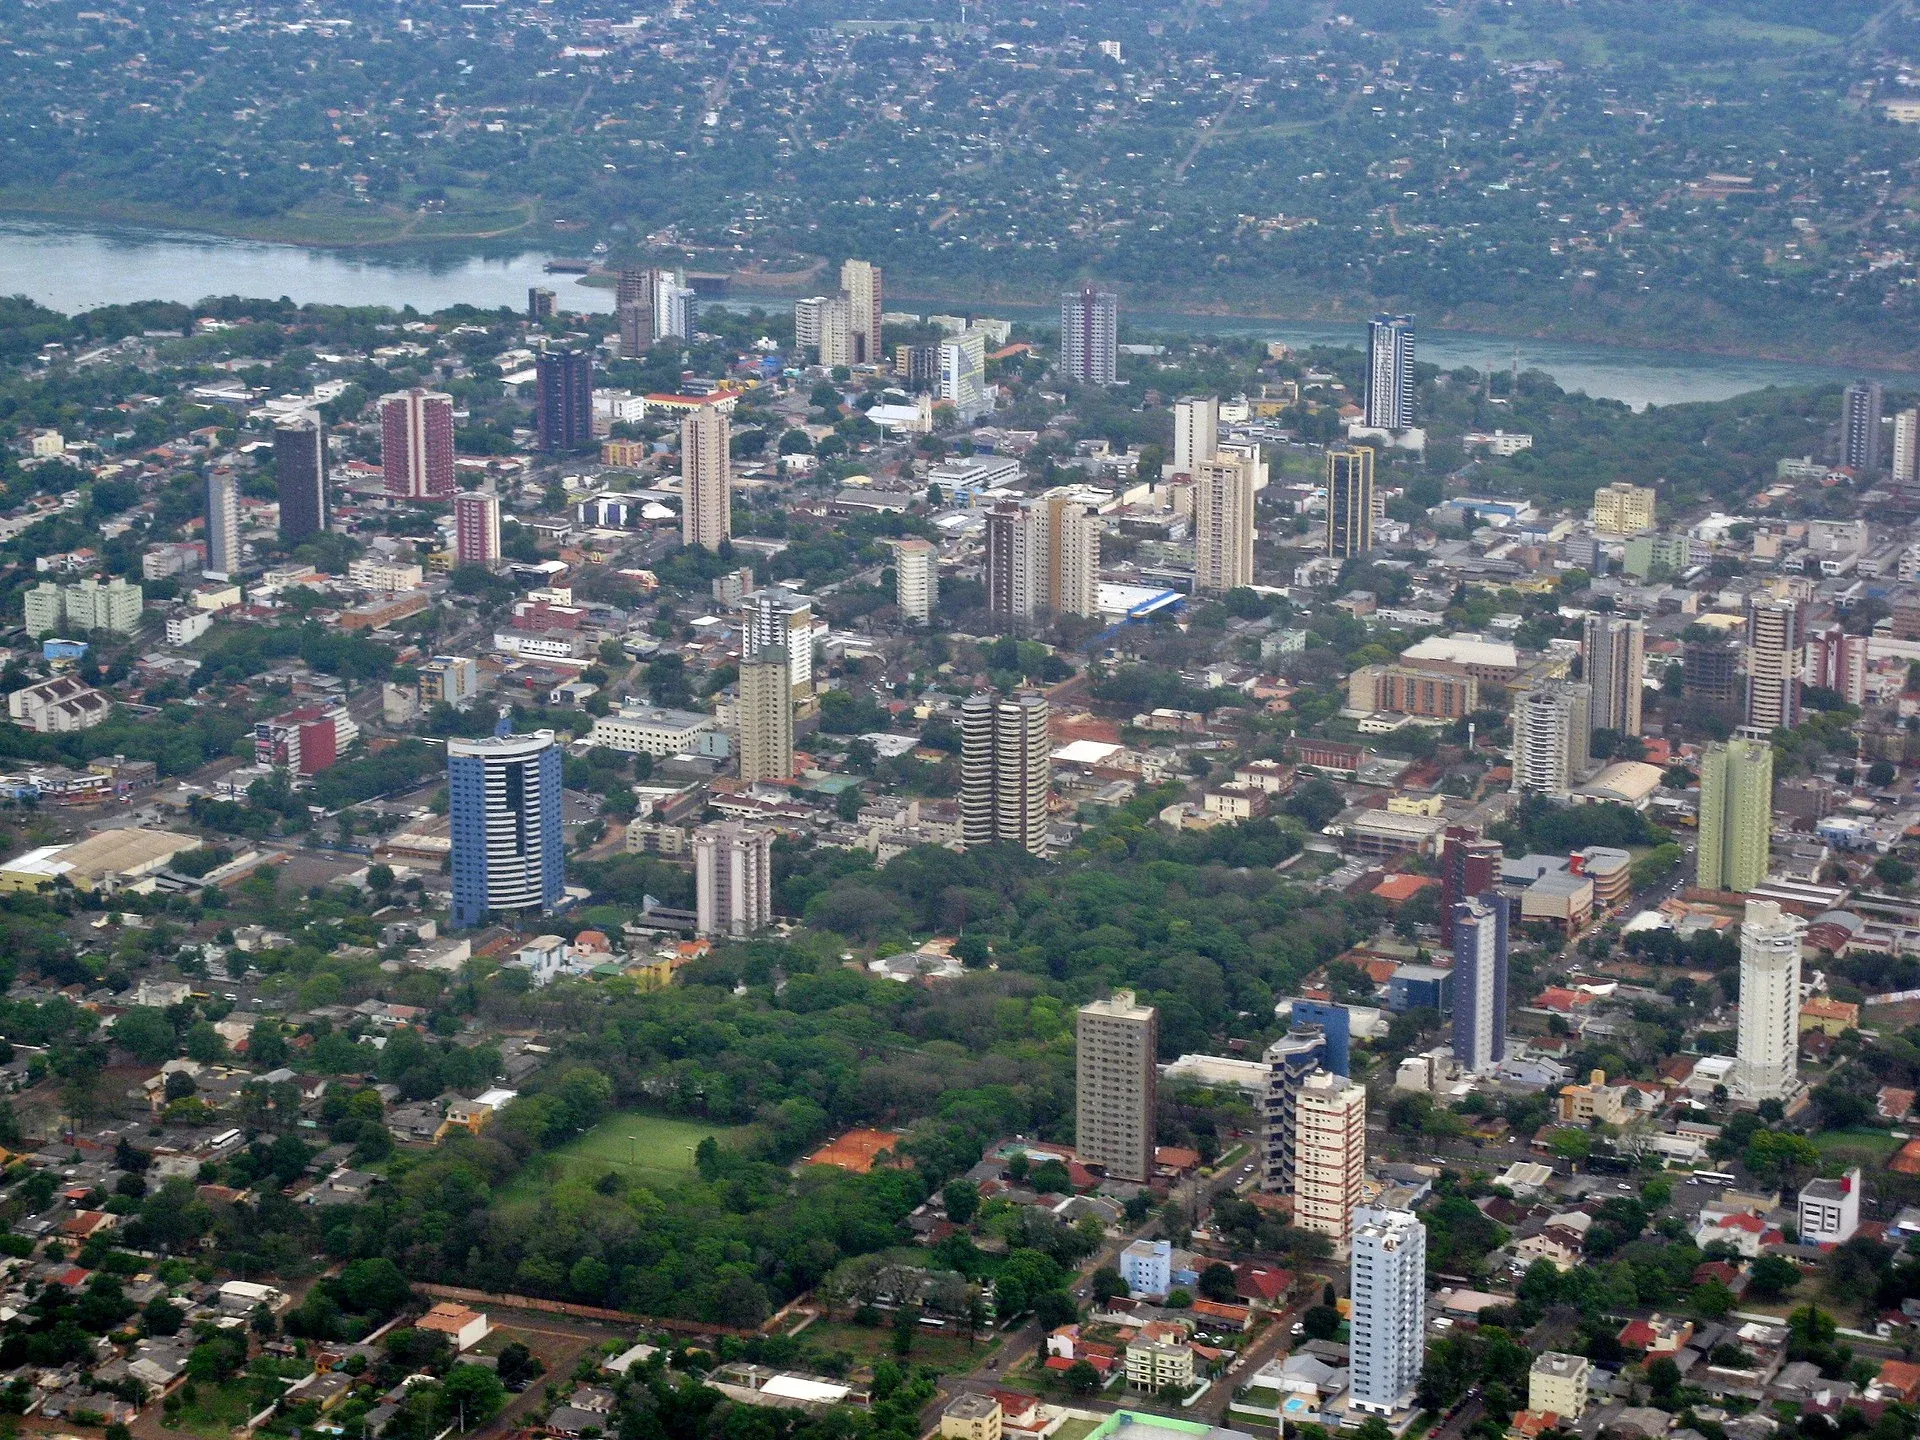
[(1780, 1156), (204, 1043), (1880, 774), (1082, 1378), (1217, 1283), (962, 1199), (1321, 1322), (1571, 1144), (145, 1033), (517, 1364), (471, 1395), (1772, 1277), (1108, 1284)]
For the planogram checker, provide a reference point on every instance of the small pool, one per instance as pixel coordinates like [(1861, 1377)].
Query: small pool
[(1297, 1407)]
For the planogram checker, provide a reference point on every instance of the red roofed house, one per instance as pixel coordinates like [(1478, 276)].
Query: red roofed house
[(1656, 1335), (1898, 1380), (1397, 889), (1561, 1000), (1262, 1283), (1748, 1234), (1240, 1317)]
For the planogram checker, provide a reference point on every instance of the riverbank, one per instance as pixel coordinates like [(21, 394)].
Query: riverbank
[(70, 268)]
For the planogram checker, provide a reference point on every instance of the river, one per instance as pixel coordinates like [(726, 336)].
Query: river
[(71, 268)]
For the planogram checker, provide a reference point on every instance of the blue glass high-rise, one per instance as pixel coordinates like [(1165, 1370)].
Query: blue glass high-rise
[(509, 852), (1335, 1023)]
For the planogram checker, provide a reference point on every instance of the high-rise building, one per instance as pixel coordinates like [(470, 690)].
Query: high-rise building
[(1330, 1154), (1390, 373), (836, 331), (1469, 866), (563, 411), (300, 472), (1350, 502), (733, 879), (539, 305), (1072, 553), (766, 716), (1289, 1061), (416, 443), (1736, 814), (1767, 1044), (1906, 450), (1116, 1081), (1550, 731), (1196, 432), (1332, 1020), (476, 527), (1623, 509), (918, 365), (1480, 982), (1860, 427), (916, 578), (1773, 663), (1006, 771), (674, 313), (1223, 524), (806, 322), (963, 374), (633, 308), (781, 616), (1090, 335), (1710, 671), (706, 478), (1615, 651), (1016, 559), (1837, 661), (860, 282), (1387, 1333), (509, 847), (223, 523)]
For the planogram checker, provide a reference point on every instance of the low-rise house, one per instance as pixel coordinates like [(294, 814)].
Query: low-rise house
[(465, 1328)]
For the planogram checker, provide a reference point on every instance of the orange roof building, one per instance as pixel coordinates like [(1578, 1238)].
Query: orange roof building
[(1398, 889)]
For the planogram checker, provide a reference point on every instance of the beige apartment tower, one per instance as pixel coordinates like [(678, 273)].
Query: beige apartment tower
[(1116, 1086), (860, 282), (1623, 509), (706, 478), (1330, 1154), (1073, 554), (1006, 771), (1223, 524), (766, 716), (916, 579), (733, 879)]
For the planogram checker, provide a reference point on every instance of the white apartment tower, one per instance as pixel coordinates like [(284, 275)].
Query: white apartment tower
[(1615, 651), (1387, 1279), (706, 478), (1116, 1077), (1223, 524), (1330, 1154), (1773, 663), (781, 616), (1768, 1042), (766, 716), (1196, 432), (1906, 450), (733, 879), (836, 331), (916, 579), (1550, 737), (223, 524), (963, 374), (1006, 771)]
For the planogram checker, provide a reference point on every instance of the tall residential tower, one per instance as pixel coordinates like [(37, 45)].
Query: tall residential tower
[(1089, 335), (1767, 1045), (509, 849), (1736, 814), (1006, 771), (1390, 373), (1116, 1078)]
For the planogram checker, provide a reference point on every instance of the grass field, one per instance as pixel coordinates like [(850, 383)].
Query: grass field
[(1863, 1146), (630, 1142), (867, 1346), (217, 1410)]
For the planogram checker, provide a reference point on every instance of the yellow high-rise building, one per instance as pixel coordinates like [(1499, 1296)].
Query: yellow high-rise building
[(1623, 509)]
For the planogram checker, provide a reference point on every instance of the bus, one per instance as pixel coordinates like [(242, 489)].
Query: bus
[(1712, 1177)]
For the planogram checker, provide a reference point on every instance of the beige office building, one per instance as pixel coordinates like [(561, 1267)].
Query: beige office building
[(1558, 1385), (766, 716), (706, 478), (1223, 524), (1330, 1154), (1622, 509), (1116, 1080)]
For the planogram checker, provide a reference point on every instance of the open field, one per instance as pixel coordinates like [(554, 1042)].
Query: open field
[(629, 1142), (932, 1348), (1863, 1146), (217, 1410)]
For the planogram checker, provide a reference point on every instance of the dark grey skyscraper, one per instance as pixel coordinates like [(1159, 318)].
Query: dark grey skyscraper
[(1390, 373), (1860, 427), (300, 467), (564, 410), (1480, 982)]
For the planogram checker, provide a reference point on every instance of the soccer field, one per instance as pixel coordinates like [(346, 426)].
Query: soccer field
[(629, 1142)]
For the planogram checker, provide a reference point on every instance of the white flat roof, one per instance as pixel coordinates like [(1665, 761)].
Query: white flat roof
[(1086, 752), (44, 861), (1463, 652), (793, 1387)]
